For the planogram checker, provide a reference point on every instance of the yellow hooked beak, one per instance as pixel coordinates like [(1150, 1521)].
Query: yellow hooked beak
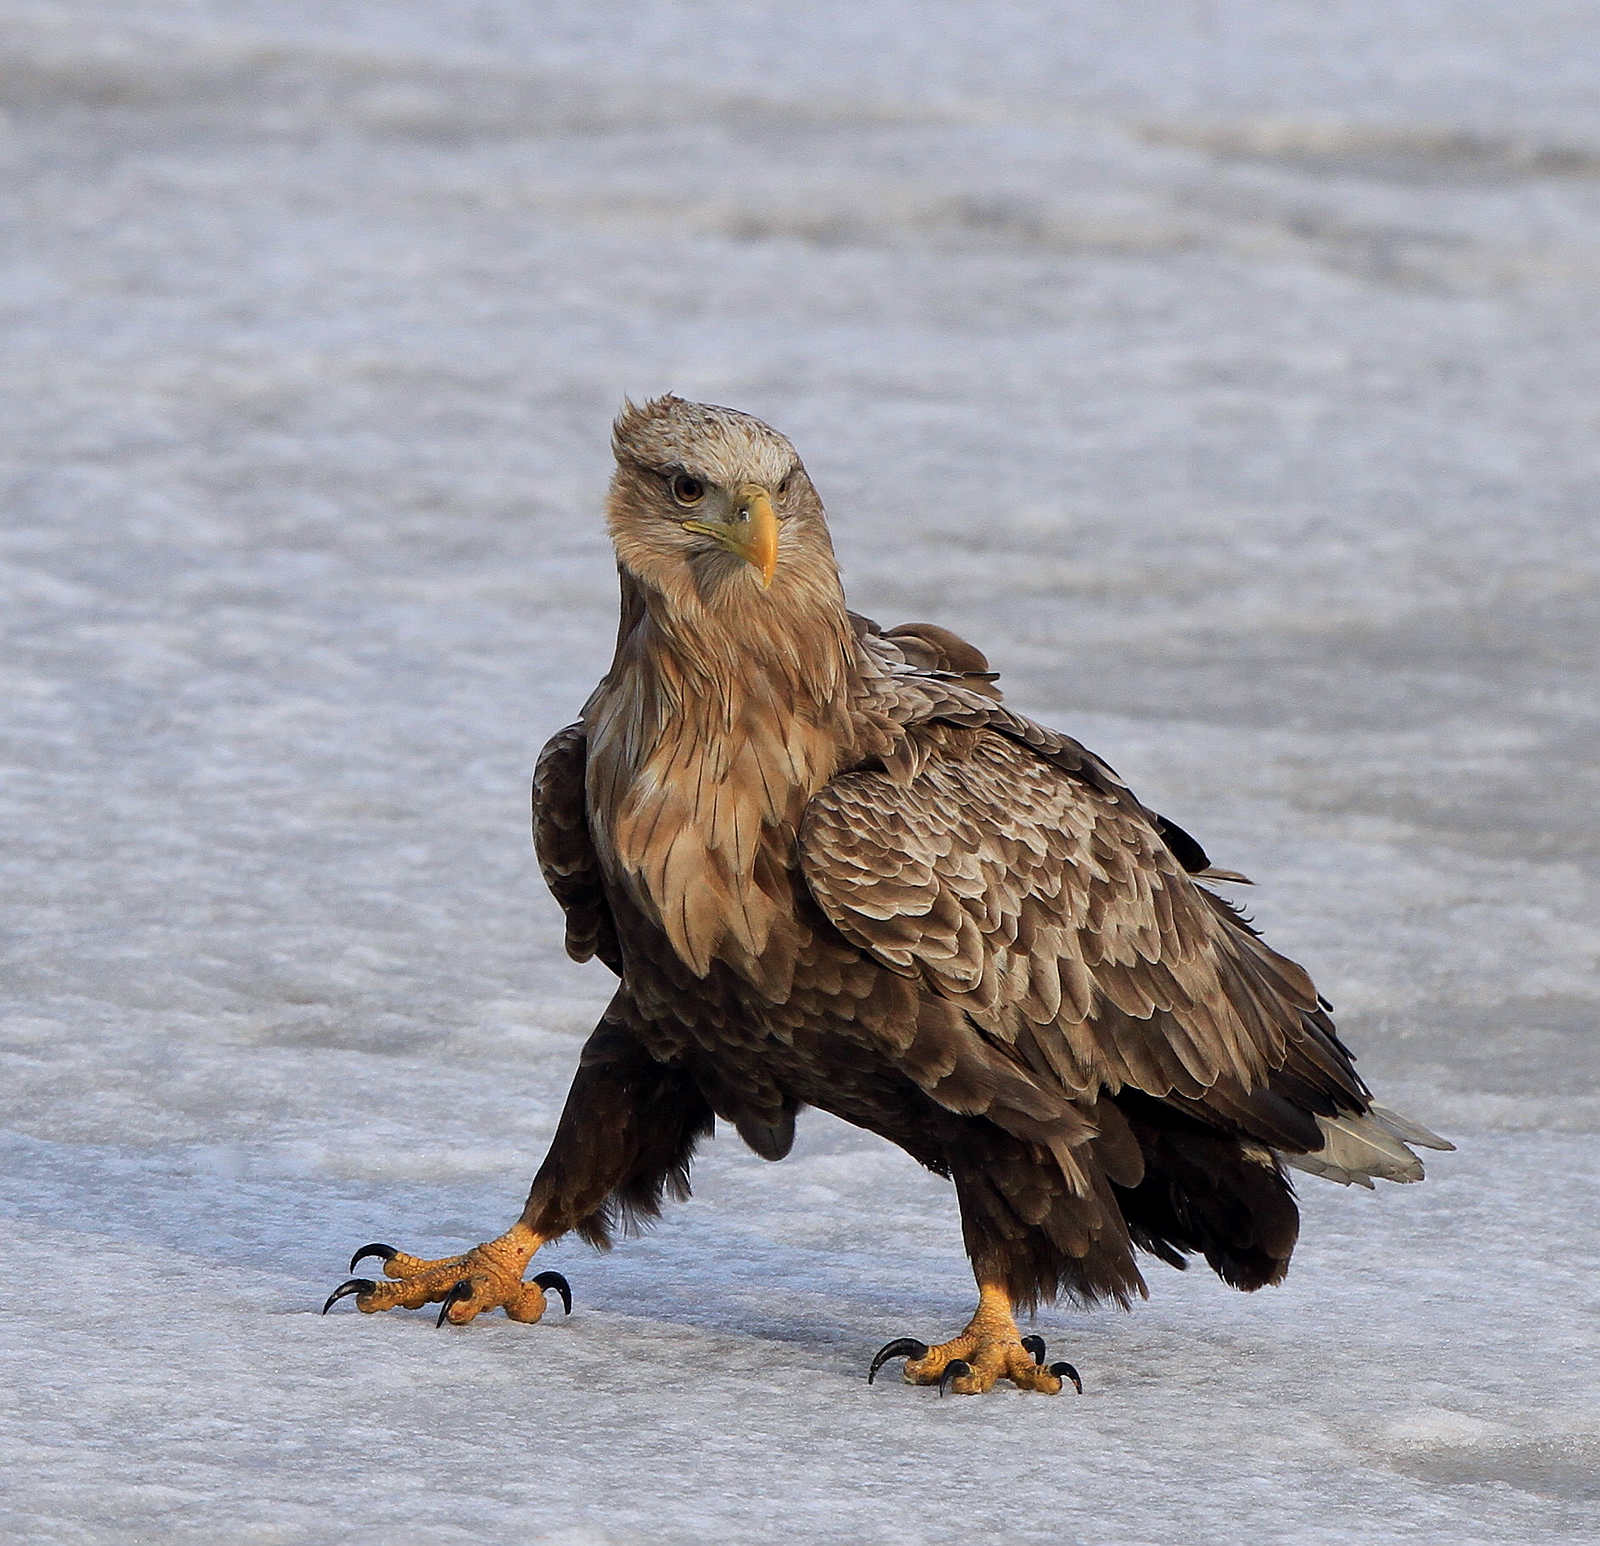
[(751, 530)]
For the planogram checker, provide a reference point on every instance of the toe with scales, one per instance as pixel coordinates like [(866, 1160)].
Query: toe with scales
[(989, 1349), (487, 1277)]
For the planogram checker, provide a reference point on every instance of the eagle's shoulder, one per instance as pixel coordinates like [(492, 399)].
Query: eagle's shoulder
[(926, 649)]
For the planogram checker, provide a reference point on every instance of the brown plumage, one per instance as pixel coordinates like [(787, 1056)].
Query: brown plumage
[(831, 868)]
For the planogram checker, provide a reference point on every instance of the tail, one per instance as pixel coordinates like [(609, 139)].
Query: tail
[(1374, 1143)]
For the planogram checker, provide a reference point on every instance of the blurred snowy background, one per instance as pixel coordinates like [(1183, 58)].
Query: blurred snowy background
[(1228, 371)]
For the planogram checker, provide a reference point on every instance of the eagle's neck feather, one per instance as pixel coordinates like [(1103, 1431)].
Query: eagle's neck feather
[(706, 739)]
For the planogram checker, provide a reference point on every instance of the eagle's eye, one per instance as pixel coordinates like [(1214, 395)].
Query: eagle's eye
[(783, 488), (687, 490)]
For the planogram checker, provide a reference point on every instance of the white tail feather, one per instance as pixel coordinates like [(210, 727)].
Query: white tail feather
[(1357, 1148)]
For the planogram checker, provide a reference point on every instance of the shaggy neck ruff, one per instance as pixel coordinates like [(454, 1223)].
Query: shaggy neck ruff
[(724, 711)]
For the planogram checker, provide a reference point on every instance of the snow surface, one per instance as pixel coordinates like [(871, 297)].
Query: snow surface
[(1228, 371)]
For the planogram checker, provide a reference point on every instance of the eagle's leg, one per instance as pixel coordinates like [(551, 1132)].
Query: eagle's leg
[(989, 1348), (624, 1139)]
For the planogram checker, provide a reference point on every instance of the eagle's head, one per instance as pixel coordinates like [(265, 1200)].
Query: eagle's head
[(710, 508)]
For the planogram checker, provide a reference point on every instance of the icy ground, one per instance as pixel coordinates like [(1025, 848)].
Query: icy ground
[(1229, 371)]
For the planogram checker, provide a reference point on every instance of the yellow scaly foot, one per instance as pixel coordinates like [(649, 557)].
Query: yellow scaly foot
[(487, 1277), (990, 1348)]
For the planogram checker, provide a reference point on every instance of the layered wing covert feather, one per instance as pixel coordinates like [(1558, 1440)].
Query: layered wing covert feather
[(1042, 899)]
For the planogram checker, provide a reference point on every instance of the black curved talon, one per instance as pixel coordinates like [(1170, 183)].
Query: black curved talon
[(1065, 1371), (349, 1286), (385, 1253), (549, 1280), (954, 1370), (901, 1347), (462, 1290), (1034, 1345)]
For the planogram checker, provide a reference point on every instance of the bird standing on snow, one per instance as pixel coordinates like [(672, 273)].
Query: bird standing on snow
[(830, 868)]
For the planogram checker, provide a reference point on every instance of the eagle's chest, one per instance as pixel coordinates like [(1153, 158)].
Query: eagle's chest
[(695, 827)]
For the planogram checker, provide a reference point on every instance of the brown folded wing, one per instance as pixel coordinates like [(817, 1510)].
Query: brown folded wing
[(1044, 902), (565, 849)]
